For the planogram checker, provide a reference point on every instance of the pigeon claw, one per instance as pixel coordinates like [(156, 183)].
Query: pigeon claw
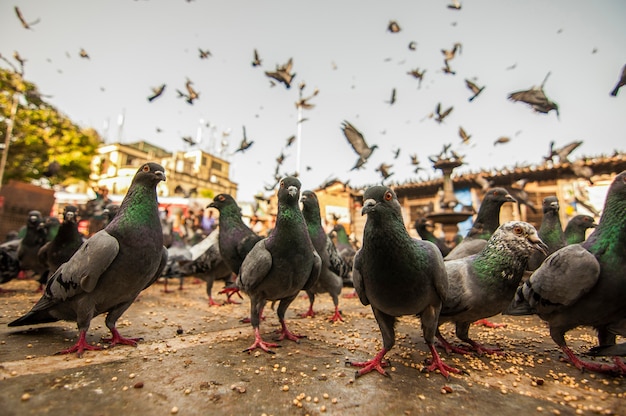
[(595, 367), (116, 339), (286, 333), (437, 364), (80, 346), (259, 343), (375, 363), (489, 324), (309, 313), (336, 316)]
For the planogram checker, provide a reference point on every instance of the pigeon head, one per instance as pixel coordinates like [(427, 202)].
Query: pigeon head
[(550, 204), (289, 189), (520, 233), (221, 201), (379, 199), (499, 195), (34, 218), (150, 173), (308, 198), (586, 221), (70, 214)]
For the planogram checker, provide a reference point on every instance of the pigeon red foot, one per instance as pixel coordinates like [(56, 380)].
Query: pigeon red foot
[(80, 346)]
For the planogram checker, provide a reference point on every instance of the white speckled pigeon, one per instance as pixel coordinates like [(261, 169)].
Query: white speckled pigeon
[(482, 285), (281, 265), (397, 275), (110, 269)]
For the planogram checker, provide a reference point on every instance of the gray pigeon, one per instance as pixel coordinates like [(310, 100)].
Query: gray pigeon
[(9, 264), (482, 285), (550, 232), (576, 228), (329, 281), (110, 269), (281, 265), (34, 238), (397, 275), (67, 240), (584, 284), (486, 222)]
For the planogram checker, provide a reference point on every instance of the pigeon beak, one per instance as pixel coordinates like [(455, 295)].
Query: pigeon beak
[(160, 174), (211, 205), (538, 244), (509, 198), (368, 206), (293, 191), (554, 205), (303, 198)]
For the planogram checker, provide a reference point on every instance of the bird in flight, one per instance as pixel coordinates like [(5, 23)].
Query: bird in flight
[(245, 144), (83, 53), (442, 115), (536, 98), (256, 61), (392, 100), (25, 24), (156, 92), (393, 27), (476, 90), (283, 73), (204, 54), (464, 136), (620, 83), (357, 141), (191, 95)]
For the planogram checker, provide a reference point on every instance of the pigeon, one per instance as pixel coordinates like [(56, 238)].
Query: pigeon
[(357, 141), (451, 53), (245, 144), (550, 231), (442, 115), (25, 24), (412, 45), (486, 222), (191, 94), (156, 92), (392, 100), (110, 269), (383, 168), (501, 140), (204, 54), (464, 136), (418, 75), (329, 280), (34, 238), (536, 98), (281, 265), (455, 5), (178, 258), (66, 242), (207, 264), (283, 73), (236, 239), (393, 27), (562, 152), (576, 228), (9, 264), (345, 249), (476, 90), (583, 284), (83, 53), (482, 285), (256, 61), (520, 194), (424, 229), (620, 83), (397, 275)]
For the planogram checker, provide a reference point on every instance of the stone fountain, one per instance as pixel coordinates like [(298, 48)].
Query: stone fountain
[(449, 219)]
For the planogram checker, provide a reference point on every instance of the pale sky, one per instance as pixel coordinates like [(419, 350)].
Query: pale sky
[(344, 49)]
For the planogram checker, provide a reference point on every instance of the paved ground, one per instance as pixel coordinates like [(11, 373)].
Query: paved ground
[(191, 363)]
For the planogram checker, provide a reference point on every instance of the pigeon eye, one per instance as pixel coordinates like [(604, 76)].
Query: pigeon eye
[(388, 196), (221, 198), (518, 230), (146, 168), (282, 184)]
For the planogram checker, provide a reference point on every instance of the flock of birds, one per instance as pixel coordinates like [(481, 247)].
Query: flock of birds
[(562, 276)]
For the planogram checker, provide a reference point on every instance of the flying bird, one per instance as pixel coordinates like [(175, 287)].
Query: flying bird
[(392, 100), (256, 61), (204, 54), (562, 152), (583, 284), (620, 83), (412, 45), (156, 92), (189, 140), (383, 168), (397, 275), (281, 265), (83, 53), (290, 140), (357, 141), (476, 90), (415, 162), (110, 269), (502, 140), (455, 5), (446, 68), (393, 27), (482, 285), (464, 136), (245, 144), (283, 73), (418, 75), (440, 116), (536, 98), (192, 94), (449, 54), (25, 24)]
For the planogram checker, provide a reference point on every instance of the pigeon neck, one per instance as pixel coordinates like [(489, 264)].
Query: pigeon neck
[(489, 216), (139, 207), (499, 261), (608, 240)]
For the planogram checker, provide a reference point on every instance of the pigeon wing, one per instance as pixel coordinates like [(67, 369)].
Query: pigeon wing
[(563, 278), (359, 285), (255, 267), (355, 138)]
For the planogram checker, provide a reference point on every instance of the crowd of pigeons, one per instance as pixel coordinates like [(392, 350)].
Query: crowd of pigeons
[(567, 278)]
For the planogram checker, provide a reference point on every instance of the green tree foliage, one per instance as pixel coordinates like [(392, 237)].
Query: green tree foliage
[(44, 142)]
